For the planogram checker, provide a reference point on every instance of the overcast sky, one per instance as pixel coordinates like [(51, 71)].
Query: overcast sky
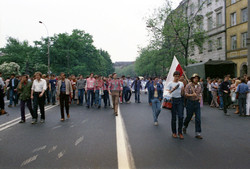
[(117, 26)]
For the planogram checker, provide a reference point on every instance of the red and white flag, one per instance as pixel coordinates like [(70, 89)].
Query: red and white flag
[(174, 67)]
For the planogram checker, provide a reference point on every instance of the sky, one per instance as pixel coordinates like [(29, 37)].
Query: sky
[(117, 26)]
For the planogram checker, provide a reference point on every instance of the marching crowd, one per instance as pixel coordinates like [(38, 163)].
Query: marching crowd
[(39, 90)]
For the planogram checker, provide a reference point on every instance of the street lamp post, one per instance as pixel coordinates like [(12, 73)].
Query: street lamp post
[(48, 46), (248, 39)]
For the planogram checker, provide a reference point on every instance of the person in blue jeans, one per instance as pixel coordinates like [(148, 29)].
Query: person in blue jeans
[(137, 86), (52, 89), (176, 89), (193, 94), (242, 89), (156, 93), (81, 83), (148, 84)]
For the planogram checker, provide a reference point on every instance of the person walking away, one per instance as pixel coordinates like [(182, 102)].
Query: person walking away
[(13, 90), (115, 89), (2, 104), (97, 90), (38, 89), (242, 91), (90, 90), (156, 97), (52, 89), (24, 88), (248, 97), (193, 94), (225, 91), (64, 93), (81, 84), (214, 87), (137, 87), (176, 89)]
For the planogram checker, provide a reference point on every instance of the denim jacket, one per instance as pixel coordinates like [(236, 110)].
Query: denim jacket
[(159, 90)]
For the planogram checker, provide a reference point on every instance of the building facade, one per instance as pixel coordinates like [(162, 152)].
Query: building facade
[(211, 15), (236, 33)]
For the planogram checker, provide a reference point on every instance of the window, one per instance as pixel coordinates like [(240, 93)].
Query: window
[(244, 13), (219, 43), (233, 1), (233, 42), (210, 46), (244, 40), (233, 19), (209, 23), (219, 19)]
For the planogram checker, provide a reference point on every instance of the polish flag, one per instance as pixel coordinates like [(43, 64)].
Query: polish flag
[(174, 67)]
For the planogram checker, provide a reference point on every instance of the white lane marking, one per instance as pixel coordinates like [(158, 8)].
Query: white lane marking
[(29, 160), (61, 154), (79, 140), (52, 149), (125, 157), (39, 149), (56, 127), (84, 121), (16, 121)]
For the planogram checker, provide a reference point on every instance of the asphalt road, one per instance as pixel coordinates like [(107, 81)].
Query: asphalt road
[(89, 140)]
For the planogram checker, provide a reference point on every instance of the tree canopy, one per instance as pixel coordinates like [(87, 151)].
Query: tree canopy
[(70, 53)]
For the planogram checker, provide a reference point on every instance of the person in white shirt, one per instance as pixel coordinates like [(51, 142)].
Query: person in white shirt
[(176, 89), (39, 86)]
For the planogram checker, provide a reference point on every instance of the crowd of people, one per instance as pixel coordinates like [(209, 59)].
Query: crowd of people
[(98, 91)]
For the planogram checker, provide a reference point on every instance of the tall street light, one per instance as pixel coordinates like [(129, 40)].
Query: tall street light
[(248, 39), (48, 46)]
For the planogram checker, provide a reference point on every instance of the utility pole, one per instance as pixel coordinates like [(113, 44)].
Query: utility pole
[(248, 39)]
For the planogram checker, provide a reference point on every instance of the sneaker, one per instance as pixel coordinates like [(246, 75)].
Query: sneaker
[(34, 121), (42, 121), (184, 130), (22, 121), (199, 137), (174, 135), (181, 136), (156, 123)]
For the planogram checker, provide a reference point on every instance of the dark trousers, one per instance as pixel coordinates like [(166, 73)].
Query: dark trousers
[(64, 102), (137, 95), (177, 110), (226, 101), (149, 96), (90, 93), (105, 97), (53, 95), (13, 96), (209, 97), (47, 96), (39, 101), (242, 103), (2, 104), (28, 102), (126, 94), (80, 95), (193, 107)]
